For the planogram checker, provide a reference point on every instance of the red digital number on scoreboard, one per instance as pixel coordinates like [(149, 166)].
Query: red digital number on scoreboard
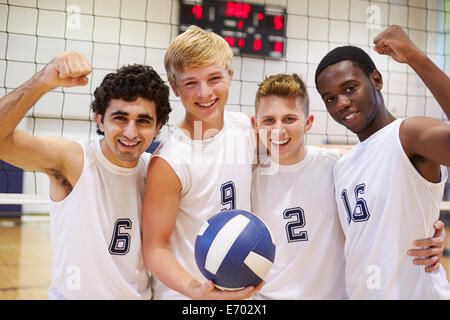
[(278, 22), (278, 46), (247, 28), (237, 10), (197, 11), (257, 44)]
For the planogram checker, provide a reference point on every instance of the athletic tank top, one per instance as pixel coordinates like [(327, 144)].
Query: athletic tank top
[(215, 175), (384, 205), (96, 232), (297, 203)]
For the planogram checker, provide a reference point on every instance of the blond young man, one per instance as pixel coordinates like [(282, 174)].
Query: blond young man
[(292, 191), (203, 167)]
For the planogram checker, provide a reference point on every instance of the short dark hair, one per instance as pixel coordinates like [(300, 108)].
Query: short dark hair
[(129, 83), (357, 56)]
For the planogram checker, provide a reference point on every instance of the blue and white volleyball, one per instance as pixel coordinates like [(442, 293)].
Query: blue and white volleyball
[(234, 249)]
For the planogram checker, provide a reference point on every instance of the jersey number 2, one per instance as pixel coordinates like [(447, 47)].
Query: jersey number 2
[(293, 235)]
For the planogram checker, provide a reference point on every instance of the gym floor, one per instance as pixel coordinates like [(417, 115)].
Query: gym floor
[(25, 258)]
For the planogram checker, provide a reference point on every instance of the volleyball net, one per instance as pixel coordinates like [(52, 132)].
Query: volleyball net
[(114, 33)]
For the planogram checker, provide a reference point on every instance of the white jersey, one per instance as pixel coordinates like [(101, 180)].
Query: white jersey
[(384, 205), (96, 232), (297, 203), (215, 175)]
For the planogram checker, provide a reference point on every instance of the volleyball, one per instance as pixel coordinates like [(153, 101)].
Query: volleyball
[(234, 249)]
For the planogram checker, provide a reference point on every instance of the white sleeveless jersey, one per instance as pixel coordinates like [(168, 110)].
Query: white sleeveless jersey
[(297, 204), (96, 232), (215, 174), (384, 205)]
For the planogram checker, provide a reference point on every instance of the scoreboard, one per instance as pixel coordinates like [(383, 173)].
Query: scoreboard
[(248, 28)]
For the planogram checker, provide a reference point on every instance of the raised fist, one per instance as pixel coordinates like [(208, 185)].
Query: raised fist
[(395, 43), (68, 69)]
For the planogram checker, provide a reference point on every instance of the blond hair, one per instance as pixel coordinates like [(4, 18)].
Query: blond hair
[(283, 85), (196, 48)]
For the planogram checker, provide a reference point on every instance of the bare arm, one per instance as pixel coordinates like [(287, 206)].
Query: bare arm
[(428, 141), (68, 69), (394, 42), (431, 143), (160, 209), (428, 138), (40, 153)]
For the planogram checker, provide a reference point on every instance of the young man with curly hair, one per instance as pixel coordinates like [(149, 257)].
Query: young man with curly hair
[(96, 188)]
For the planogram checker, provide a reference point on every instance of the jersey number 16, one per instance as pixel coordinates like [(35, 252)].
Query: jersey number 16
[(360, 211)]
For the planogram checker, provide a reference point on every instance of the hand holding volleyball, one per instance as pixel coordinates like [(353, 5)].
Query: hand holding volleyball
[(234, 249), (68, 69)]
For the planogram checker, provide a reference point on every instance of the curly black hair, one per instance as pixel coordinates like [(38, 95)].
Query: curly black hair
[(129, 83)]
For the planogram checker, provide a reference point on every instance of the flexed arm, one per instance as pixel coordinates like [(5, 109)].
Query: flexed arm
[(68, 69), (394, 42), (43, 154)]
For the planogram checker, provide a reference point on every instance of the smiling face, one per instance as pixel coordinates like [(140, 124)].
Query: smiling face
[(353, 99), (129, 129), (281, 125), (204, 93)]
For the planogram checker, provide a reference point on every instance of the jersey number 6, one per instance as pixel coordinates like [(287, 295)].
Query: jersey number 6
[(120, 242)]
